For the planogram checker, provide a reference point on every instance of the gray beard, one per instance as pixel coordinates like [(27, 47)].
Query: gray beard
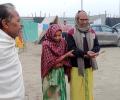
[(84, 29)]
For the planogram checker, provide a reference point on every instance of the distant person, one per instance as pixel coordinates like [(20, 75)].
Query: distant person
[(19, 40), (84, 42), (11, 79), (65, 27), (65, 22), (53, 60)]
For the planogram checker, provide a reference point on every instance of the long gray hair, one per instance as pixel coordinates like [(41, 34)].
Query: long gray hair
[(77, 26)]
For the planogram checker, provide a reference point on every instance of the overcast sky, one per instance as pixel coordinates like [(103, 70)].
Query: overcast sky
[(58, 7)]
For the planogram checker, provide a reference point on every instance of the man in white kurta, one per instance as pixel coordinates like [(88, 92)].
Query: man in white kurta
[(11, 79)]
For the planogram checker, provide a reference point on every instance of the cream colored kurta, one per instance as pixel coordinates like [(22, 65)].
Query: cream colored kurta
[(11, 79)]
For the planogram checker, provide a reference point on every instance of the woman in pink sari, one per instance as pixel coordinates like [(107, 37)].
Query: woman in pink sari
[(54, 57)]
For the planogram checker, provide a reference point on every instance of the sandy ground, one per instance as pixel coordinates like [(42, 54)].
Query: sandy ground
[(106, 79)]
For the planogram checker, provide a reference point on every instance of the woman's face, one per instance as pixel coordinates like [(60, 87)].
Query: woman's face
[(58, 36)]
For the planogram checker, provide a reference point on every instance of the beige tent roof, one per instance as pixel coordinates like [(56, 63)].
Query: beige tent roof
[(48, 20)]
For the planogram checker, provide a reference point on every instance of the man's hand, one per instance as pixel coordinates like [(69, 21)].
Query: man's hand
[(92, 54)]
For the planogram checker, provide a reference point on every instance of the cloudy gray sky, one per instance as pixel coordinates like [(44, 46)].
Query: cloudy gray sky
[(58, 7)]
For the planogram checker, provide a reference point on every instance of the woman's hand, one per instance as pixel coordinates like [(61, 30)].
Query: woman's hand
[(69, 54), (59, 65), (63, 57)]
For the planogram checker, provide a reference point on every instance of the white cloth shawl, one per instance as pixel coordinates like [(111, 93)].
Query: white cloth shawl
[(11, 79)]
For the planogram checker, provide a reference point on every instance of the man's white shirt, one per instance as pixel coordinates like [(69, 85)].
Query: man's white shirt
[(11, 79)]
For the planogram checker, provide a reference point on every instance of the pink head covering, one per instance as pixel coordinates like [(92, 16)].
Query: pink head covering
[(51, 50), (51, 32)]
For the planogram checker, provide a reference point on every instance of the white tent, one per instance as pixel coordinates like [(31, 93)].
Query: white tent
[(45, 24)]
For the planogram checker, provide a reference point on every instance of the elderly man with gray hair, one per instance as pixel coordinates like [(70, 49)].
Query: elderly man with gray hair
[(11, 79)]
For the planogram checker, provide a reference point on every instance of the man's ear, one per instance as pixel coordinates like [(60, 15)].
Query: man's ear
[(5, 23)]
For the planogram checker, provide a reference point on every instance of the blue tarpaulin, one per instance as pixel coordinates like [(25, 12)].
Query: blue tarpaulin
[(30, 30), (45, 27)]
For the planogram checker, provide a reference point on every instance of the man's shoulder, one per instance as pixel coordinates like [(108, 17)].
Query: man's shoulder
[(91, 31), (71, 31)]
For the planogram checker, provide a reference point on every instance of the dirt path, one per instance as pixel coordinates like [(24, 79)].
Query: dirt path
[(107, 78)]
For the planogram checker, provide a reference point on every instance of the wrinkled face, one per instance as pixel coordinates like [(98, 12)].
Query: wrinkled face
[(58, 36), (83, 19), (13, 26)]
